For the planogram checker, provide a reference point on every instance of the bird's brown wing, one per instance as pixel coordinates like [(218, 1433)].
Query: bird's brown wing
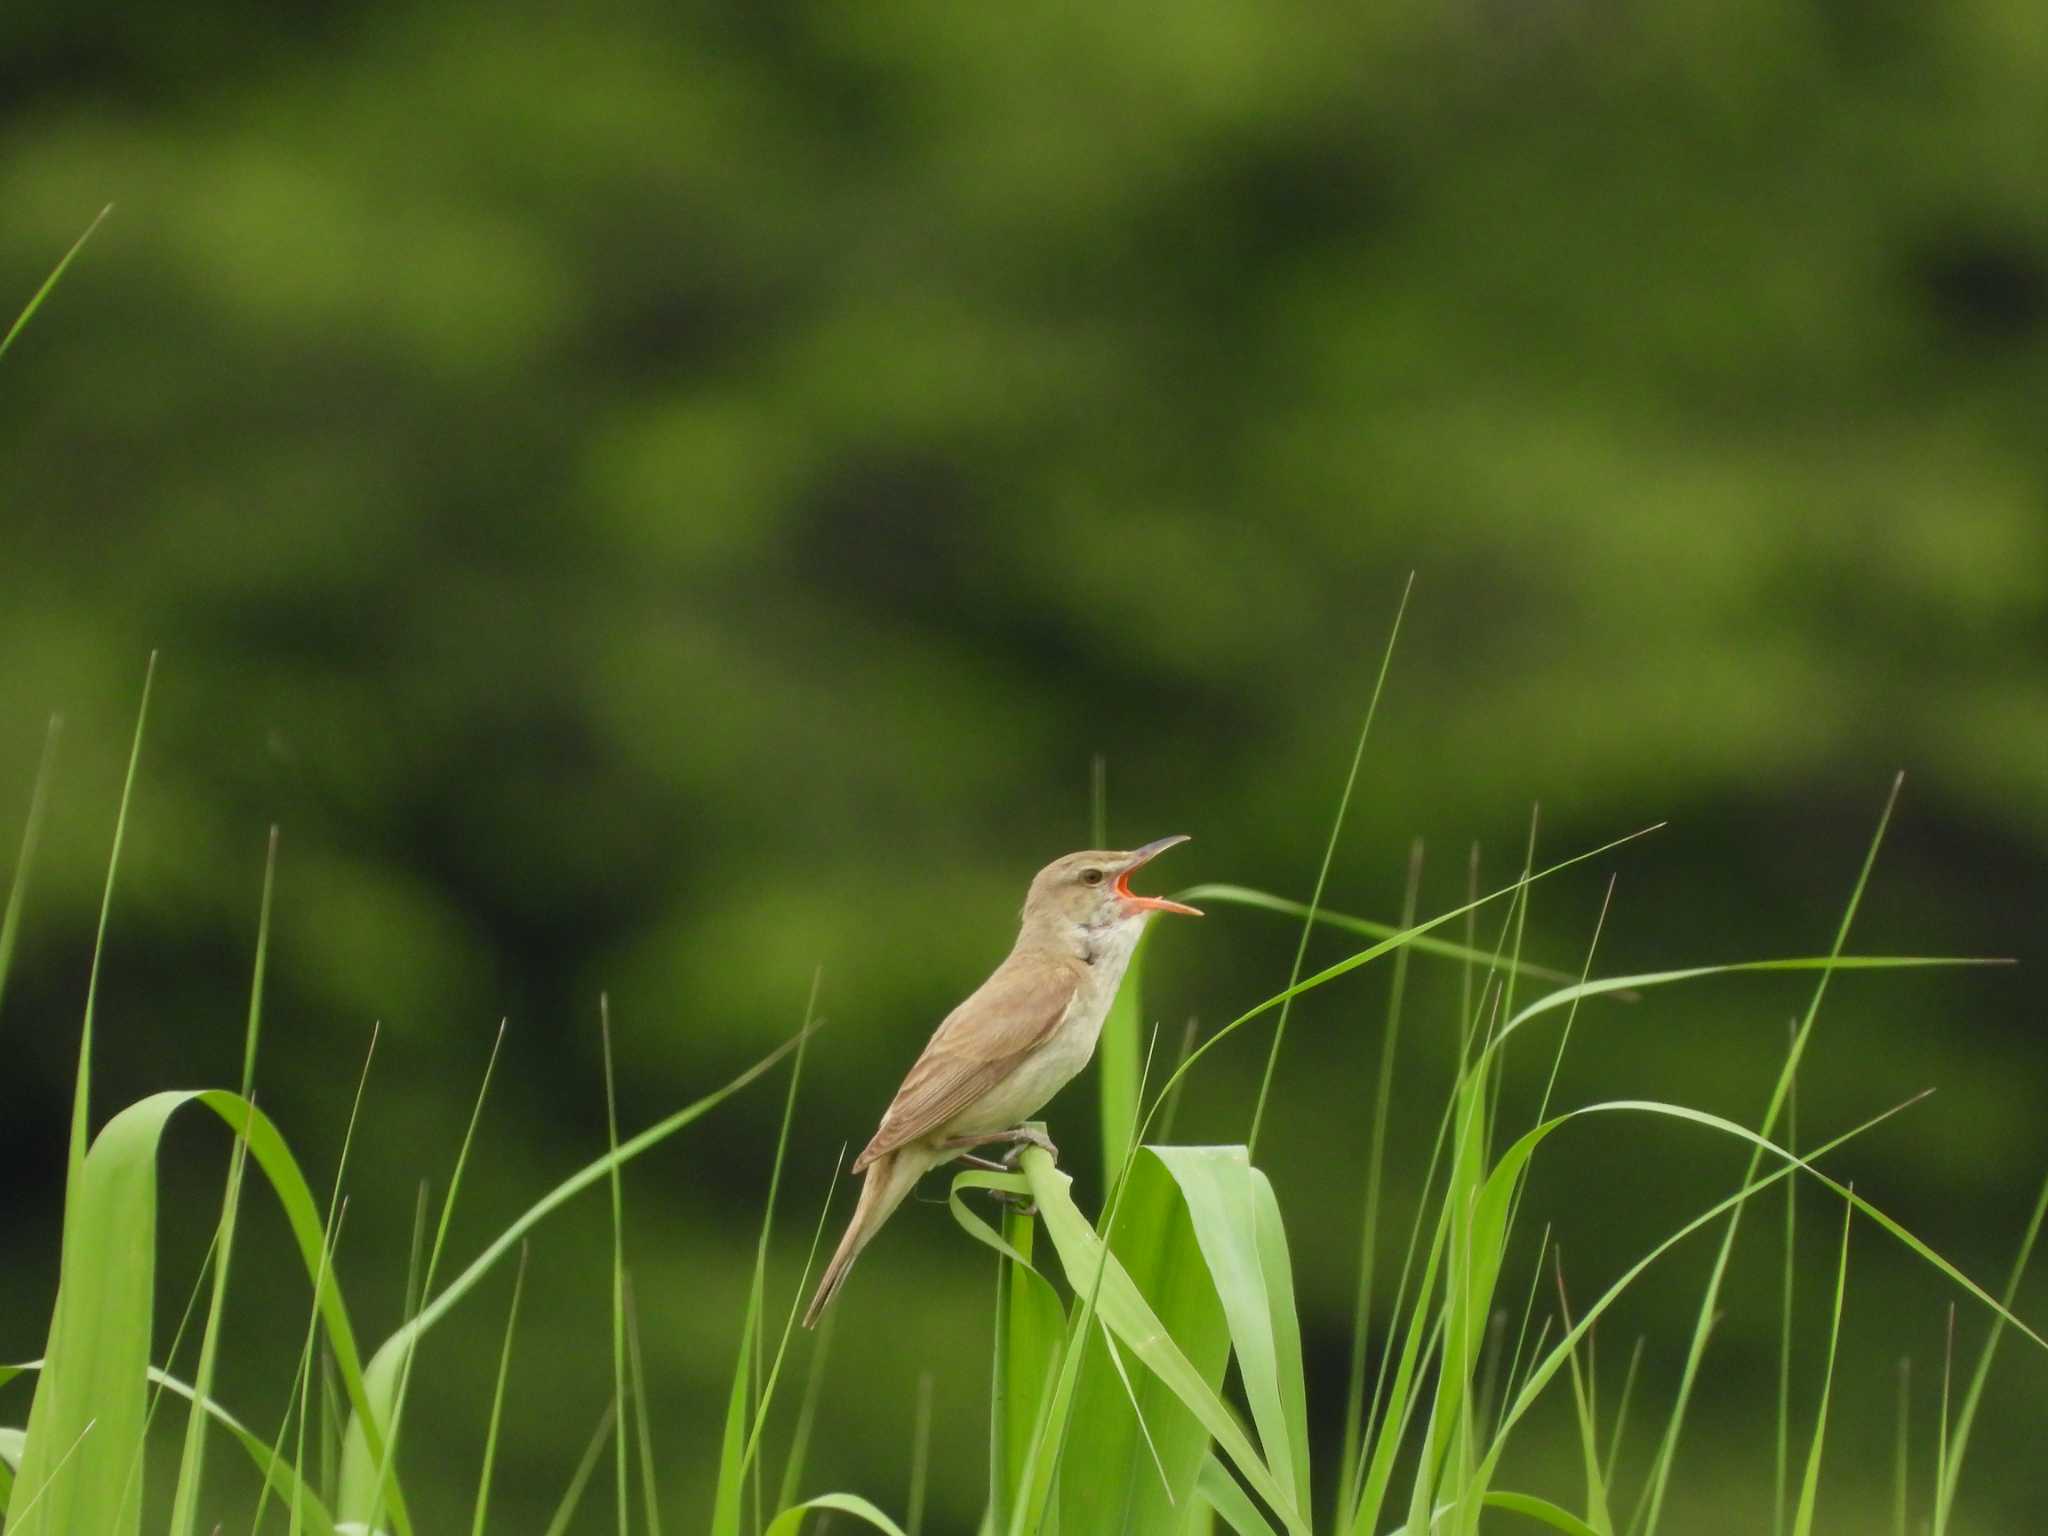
[(980, 1043)]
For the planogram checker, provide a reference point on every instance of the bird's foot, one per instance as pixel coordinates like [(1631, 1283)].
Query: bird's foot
[(1028, 1136)]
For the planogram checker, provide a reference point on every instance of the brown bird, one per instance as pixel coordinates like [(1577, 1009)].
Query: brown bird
[(1016, 1042)]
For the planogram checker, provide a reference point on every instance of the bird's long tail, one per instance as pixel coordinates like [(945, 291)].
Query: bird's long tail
[(889, 1179)]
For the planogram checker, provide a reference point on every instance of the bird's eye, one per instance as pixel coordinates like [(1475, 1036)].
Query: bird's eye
[(1091, 877)]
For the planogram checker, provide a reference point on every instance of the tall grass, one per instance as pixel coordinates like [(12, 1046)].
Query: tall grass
[(1148, 1365)]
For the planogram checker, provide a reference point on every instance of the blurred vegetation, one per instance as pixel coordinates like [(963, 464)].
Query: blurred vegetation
[(664, 503)]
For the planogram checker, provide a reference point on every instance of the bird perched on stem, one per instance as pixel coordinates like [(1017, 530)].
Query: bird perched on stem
[(1016, 1042)]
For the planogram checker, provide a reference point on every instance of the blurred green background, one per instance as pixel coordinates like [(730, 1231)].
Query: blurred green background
[(665, 501)]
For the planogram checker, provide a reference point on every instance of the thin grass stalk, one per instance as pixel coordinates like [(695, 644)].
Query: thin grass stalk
[(611, 1121), (1375, 1172), (483, 1481), (1946, 1490), (1315, 901), (1780, 1507), (642, 1421), (1660, 1469), (586, 1468), (302, 1382), (1904, 1420), (920, 1455), (42, 293), (31, 837), (1809, 1487)]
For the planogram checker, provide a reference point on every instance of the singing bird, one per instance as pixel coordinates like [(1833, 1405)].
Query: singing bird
[(1016, 1042)]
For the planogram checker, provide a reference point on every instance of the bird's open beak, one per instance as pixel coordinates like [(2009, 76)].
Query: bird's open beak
[(1144, 856)]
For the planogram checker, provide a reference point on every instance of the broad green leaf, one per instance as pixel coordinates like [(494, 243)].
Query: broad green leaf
[(1105, 1445), (1122, 1308), (1237, 1223)]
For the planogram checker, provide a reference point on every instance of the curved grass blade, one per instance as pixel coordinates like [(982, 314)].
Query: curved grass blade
[(1539, 1509), (1442, 949), (1349, 963), (790, 1521), (274, 1472)]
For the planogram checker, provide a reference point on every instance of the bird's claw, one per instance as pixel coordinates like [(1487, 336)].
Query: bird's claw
[(1024, 1137)]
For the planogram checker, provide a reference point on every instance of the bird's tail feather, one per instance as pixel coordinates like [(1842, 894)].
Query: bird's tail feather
[(889, 1179)]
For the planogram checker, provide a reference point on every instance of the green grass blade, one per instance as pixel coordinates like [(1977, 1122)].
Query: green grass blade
[(483, 1481), (1214, 893), (1952, 1460), (1223, 1493), (1809, 1486), (1904, 1421), (1365, 956), (50, 282), (1598, 1519), (191, 1467), (736, 1446), (790, 1521), (95, 1375), (1948, 1371), (753, 1457), (370, 1412), (643, 1423), (31, 835), (82, 1094), (1369, 1222), (385, 1484), (1667, 1449), (572, 1497), (330, 1239), (275, 1474), (192, 1460), (619, 1400), (1030, 1333), (1542, 1511), (807, 1406), (1780, 1505), (1628, 1387), (1315, 900)]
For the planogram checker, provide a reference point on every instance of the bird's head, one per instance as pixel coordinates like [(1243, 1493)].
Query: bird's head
[(1091, 890)]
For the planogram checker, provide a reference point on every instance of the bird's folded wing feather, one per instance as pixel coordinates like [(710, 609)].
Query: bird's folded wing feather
[(981, 1042)]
